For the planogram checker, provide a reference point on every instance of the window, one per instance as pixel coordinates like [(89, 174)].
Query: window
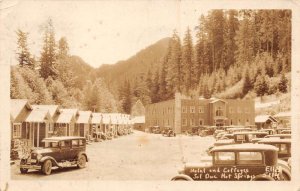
[(192, 122), (184, 109), (249, 158), (283, 148), (74, 142), (65, 143), (219, 111), (192, 109), (201, 109), (231, 122), (17, 130), (184, 122), (80, 142), (50, 128), (200, 121), (240, 138), (224, 158)]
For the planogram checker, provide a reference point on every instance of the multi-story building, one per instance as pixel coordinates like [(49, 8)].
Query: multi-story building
[(182, 113)]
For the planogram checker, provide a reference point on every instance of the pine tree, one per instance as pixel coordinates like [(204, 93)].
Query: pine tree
[(24, 56), (188, 69), (282, 85), (261, 86), (247, 86), (63, 47), (48, 55)]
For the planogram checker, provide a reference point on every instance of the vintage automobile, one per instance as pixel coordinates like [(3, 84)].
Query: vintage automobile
[(238, 129), (283, 131), (155, 130), (283, 145), (169, 132), (279, 136), (58, 152), (239, 162), (269, 131)]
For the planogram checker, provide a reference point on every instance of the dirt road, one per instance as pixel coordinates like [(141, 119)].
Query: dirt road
[(139, 156)]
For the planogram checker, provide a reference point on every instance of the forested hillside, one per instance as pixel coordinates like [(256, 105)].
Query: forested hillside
[(235, 54)]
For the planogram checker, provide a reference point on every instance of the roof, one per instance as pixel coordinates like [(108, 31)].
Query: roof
[(105, 119), (96, 118), (65, 118), (62, 138), (84, 117), (245, 147), (264, 118), (274, 140), (250, 132), (16, 106), (217, 100), (51, 108), (139, 119), (283, 114), (38, 116)]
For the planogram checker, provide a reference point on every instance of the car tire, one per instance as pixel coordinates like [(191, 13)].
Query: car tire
[(81, 163), (285, 176), (23, 170), (47, 167)]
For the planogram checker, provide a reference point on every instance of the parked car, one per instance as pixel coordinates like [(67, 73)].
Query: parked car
[(269, 131), (169, 132), (280, 136), (283, 131), (283, 145), (58, 152), (238, 162), (155, 129)]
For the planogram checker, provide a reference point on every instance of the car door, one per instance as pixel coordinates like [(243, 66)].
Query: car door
[(65, 149)]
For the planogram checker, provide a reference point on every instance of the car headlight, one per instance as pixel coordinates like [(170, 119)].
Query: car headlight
[(39, 157)]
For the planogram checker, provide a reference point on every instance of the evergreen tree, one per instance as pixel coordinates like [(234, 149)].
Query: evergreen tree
[(261, 86), (247, 86), (63, 47), (188, 69), (48, 55), (125, 96), (282, 85), (24, 56)]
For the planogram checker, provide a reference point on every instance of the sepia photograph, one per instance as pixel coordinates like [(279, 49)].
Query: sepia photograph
[(148, 91)]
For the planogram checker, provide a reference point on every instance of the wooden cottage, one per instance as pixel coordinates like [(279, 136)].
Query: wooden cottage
[(65, 123), (83, 124)]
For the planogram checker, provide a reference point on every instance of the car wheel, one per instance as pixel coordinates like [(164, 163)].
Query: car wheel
[(47, 167), (81, 163), (285, 176), (23, 170)]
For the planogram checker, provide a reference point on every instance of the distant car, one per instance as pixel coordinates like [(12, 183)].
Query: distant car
[(280, 136), (155, 130), (58, 152), (283, 131), (169, 132), (283, 145), (269, 131), (238, 162)]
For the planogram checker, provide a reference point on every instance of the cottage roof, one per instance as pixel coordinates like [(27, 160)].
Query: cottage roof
[(16, 106), (38, 116), (264, 118), (53, 109), (96, 118), (283, 114), (73, 111), (84, 117), (106, 119), (65, 118), (139, 119), (217, 100)]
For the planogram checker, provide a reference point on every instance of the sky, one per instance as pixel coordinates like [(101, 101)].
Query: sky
[(100, 32)]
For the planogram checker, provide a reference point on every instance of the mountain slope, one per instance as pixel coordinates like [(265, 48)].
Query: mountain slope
[(148, 58)]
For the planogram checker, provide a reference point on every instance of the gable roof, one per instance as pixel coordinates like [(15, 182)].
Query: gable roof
[(96, 118), (73, 111), (38, 116), (84, 117), (16, 106), (65, 118), (217, 100), (53, 109), (264, 118)]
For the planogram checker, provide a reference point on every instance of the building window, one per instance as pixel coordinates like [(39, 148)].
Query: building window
[(192, 122), (231, 110), (192, 109), (219, 111), (50, 128), (201, 109), (184, 109), (17, 130), (200, 121), (184, 122), (231, 122)]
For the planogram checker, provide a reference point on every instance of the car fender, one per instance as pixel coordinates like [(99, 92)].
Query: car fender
[(43, 159), (263, 177), (82, 153), (182, 177)]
